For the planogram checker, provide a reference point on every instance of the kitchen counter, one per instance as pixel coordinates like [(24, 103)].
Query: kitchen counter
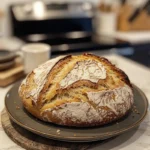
[(138, 138), (134, 37)]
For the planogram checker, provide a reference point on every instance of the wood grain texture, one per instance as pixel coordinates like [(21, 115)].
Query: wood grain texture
[(32, 141), (141, 23), (11, 75)]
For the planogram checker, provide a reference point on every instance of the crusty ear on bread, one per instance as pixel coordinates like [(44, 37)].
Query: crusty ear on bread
[(83, 90)]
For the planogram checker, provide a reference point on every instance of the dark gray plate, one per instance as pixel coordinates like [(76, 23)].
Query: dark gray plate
[(20, 116), (7, 56), (7, 65)]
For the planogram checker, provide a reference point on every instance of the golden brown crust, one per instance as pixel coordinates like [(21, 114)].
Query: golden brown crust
[(51, 75), (59, 104), (121, 73)]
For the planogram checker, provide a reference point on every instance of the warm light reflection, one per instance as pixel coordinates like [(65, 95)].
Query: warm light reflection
[(63, 47), (86, 6), (39, 9)]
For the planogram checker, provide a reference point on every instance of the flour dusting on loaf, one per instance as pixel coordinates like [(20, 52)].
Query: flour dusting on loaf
[(68, 111), (113, 98), (82, 90), (84, 70), (40, 75), (84, 112)]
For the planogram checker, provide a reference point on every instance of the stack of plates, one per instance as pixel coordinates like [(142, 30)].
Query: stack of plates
[(7, 59)]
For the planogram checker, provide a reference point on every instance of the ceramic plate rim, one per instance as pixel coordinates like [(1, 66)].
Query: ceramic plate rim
[(86, 138)]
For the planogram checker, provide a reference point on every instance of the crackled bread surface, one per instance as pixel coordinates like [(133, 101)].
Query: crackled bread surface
[(83, 90)]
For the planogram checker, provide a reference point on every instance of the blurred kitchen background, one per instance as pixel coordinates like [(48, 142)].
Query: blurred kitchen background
[(119, 26)]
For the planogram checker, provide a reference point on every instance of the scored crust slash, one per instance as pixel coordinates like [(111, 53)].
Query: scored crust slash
[(82, 91)]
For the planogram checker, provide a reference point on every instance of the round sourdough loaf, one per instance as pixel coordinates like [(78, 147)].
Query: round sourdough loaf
[(83, 90)]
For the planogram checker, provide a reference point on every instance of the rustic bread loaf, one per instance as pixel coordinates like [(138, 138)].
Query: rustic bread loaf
[(83, 90)]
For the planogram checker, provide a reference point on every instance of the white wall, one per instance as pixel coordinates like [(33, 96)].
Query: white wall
[(4, 4)]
